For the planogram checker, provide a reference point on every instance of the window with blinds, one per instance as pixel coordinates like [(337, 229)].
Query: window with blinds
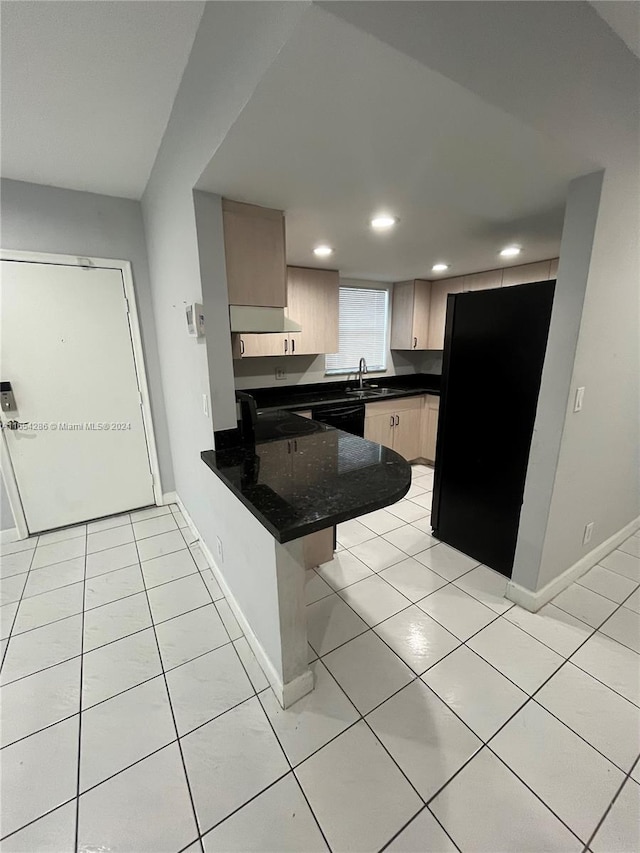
[(363, 330)]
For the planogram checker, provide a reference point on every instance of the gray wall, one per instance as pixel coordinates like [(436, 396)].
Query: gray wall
[(234, 45), (590, 106), (58, 221)]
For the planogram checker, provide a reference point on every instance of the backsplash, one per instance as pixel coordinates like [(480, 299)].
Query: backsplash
[(307, 369)]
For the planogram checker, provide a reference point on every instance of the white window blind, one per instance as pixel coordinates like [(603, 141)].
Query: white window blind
[(363, 330)]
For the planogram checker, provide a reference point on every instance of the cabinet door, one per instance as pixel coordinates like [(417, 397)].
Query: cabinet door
[(312, 301), (402, 315), (254, 250), (526, 273), (406, 433), (254, 346), (438, 308), (421, 310), (379, 428), (431, 414), (483, 280)]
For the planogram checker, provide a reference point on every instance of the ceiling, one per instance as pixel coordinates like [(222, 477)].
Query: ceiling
[(623, 16), (87, 89), (342, 127)]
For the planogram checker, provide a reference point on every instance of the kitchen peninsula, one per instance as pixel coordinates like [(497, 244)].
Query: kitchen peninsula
[(296, 478)]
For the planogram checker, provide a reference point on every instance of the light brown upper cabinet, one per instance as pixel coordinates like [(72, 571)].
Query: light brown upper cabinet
[(410, 315), (438, 310), (526, 273), (312, 301), (553, 267), (253, 345), (482, 280), (254, 246)]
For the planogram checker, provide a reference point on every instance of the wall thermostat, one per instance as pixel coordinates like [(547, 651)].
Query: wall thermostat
[(195, 320)]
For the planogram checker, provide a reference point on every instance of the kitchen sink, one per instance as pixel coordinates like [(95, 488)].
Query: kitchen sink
[(367, 393), (363, 394)]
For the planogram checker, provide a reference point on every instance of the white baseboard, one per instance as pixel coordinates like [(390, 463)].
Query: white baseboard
[(286, 693), (169, 498), (9, 535), (533, 601)]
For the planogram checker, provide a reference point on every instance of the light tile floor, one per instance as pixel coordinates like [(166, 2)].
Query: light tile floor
[(136, 718)]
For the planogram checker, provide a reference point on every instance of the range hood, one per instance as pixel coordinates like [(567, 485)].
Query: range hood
[(248, 318)]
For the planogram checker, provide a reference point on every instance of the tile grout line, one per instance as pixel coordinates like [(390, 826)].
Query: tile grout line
[(15, 615), (255, 695), (530, 698), (371, 628), (610, 806), (503, 614), (110, 643), (80, 705), (166, 687), (105, 603)]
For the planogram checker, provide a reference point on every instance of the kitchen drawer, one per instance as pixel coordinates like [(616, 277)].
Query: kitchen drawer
[(400, 404)]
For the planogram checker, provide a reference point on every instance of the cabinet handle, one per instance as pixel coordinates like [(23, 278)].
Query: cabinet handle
[(241, 347), (397, 419), (293, 345), (415, 343), (288, 447), (295, 445), (286, 342), (391, 421)]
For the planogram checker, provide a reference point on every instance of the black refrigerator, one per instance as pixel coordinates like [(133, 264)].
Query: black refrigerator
[(494, 348)]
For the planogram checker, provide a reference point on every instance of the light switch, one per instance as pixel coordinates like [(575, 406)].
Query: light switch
[(579, 399)]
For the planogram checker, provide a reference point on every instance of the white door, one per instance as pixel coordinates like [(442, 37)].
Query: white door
[(80, 451)]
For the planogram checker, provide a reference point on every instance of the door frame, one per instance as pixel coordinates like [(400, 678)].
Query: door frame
[(124, 267)]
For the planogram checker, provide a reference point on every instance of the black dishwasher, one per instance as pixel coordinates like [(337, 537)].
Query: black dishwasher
[(345, 416)]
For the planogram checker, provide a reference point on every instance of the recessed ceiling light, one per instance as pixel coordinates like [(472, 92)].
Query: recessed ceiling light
[(383, 222), (323, 251), (510, 251), (439, 267)]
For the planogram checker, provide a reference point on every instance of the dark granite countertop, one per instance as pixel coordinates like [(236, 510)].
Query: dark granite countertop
[(302, 397), (301, 476)]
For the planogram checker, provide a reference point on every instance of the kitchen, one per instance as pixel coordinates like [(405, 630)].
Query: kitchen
[(286, 471), (214, 671)]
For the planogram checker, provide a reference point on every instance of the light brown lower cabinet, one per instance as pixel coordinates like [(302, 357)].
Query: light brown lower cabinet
[(431, 412), (396, 424)]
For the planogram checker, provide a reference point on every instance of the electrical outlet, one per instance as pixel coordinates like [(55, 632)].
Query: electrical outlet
[(579, 399), (219, 549), (588, 533), (281, 373)]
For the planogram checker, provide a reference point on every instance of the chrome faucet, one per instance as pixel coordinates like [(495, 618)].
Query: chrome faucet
[(362, 368)]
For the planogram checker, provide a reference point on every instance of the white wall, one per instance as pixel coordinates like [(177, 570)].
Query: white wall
[(59, 221), (303, 369), (558, 67)]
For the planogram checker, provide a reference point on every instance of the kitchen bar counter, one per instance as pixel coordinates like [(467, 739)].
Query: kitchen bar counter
[(300, 397), (301, 476)]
